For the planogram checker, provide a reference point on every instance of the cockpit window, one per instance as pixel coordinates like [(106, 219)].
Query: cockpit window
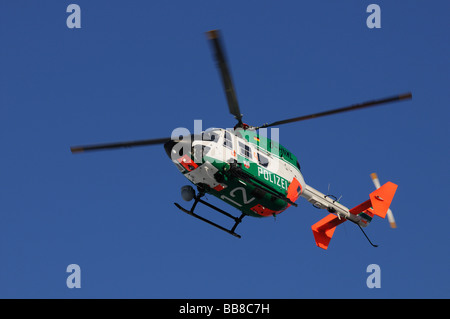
[(298, 165)]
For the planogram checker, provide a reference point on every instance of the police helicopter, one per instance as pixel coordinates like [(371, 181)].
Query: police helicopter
[(253, 173)]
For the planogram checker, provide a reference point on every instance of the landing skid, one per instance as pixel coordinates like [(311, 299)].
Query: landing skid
[(237, 220)]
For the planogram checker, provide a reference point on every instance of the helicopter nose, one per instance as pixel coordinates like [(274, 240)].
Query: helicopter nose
[(176, 149), (168, 146)]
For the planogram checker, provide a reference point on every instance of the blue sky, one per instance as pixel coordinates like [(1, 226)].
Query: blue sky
[(137, 70)]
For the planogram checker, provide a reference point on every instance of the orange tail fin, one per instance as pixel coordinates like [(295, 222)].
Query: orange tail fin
[(381, 199)]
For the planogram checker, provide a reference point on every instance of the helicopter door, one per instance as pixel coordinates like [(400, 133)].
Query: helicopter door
[(230, 152)]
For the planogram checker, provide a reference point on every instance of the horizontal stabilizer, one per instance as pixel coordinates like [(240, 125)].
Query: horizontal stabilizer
[(323, 230)]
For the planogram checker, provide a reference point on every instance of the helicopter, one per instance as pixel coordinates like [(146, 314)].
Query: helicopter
[(253, 173)]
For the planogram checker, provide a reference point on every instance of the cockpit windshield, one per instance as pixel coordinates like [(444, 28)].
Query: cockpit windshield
[(211, 136)]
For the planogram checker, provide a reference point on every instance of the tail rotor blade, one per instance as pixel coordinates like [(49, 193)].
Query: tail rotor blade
[(375, 180), (391, 219)]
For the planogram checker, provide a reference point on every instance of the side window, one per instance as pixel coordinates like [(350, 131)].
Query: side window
[(245, 150), (264, 161), (227, 142)]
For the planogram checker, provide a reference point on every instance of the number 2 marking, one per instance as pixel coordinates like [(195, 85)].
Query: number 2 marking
[(244, 196)]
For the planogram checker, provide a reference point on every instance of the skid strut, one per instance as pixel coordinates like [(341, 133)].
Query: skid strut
[(237, 220)]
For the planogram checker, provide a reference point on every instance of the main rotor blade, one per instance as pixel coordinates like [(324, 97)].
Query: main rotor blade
[(342, 109), (230, 93), (80, 149)]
